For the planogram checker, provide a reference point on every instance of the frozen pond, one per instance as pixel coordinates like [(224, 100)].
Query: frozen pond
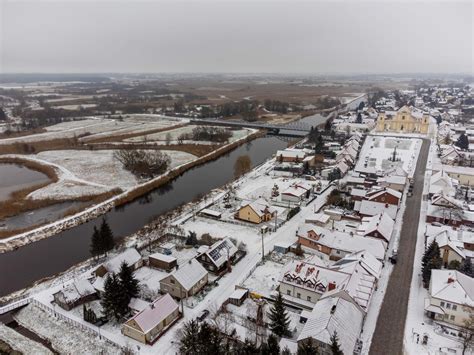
[(15, 177)]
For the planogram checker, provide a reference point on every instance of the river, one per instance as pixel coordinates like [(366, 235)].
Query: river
[(20, 268)]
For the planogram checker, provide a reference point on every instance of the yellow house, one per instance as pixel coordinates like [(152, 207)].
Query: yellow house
[(255, 212), (405, 120), (151, 322)]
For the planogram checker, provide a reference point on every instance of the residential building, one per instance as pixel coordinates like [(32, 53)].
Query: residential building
[(451, 297), (219, 255), (75, 294), (162, 261), (147, 325), (186, 281), (256, 212), (130, 256)]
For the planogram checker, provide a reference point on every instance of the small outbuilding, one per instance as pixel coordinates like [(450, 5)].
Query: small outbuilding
[(162, 261), (238, 296)]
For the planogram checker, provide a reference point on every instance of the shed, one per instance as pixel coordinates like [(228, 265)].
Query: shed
[(238, 296), (167, 248), (162, 261), (210, 213), (282, 247)]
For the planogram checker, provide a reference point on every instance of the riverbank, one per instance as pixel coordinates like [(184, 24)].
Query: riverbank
[(19, 240)]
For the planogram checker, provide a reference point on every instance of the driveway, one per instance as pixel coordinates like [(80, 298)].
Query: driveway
[(389, 331)]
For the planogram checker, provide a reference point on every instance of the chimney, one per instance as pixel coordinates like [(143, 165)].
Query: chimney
[(331, 286), (450, 279), (190, 261)]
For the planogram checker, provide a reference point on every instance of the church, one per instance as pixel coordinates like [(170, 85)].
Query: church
[(405, 120)]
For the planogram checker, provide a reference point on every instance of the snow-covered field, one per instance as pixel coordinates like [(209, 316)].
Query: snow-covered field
[(378, 151), (174, 134), (95, 127), (89, 172)]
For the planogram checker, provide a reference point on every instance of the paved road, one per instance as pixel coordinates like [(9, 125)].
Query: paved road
[(388, 335)]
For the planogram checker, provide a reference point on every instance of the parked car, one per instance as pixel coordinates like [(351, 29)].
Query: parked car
[(202, 315), (394, 257)]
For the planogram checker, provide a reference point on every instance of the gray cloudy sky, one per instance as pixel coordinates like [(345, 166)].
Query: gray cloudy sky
[(236, 36)]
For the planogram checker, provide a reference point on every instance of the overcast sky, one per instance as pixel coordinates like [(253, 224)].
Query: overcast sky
[(236, 36)]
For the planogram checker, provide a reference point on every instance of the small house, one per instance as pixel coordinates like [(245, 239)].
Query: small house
[(147, 325), (130, 256), (75, 294), (256, 212), (218, 256), (186, 281)]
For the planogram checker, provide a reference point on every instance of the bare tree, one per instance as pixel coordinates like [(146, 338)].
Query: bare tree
[(467, 331), (143, 163), (242, 165)]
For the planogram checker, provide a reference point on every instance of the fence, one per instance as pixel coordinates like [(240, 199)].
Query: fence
[(85, 327)]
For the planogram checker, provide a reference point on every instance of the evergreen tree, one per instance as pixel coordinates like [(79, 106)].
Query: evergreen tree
[(335, 346), (279, 317), (192, 238), (431, 260), (273, 345), (189, 342), (466, 267), (307, 347), (114, 302), (463, 142), (96, 247), (210, 339), (128, 282), (106, 236), (247, 348)]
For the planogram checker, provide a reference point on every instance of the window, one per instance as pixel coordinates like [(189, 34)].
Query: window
[(442, 304), (448, 305), (298, 295), (452, 317), (455, 307), (172, 281), (308, 298), (288, 292)]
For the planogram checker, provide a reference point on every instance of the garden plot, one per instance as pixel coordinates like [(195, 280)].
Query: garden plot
[(378, 151), (64, 337), (85, 172)]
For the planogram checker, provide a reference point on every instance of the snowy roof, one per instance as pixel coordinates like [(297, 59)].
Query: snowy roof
[(220, 251), (259, 206), (76, 290), (163, 257), (294, 191), (452, 286), (129, 256), (291, 153), (318, 218), (238, 293), (372, 208), (153, 315), (137, 304), (392, 179), (362, 258), (358, 192), (382, 223), (343, 241), (377, 191), (334, 315), (189, 274), (447, 239)]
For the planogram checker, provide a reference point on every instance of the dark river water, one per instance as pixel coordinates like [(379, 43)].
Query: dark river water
[(15, 177), (20, 268)]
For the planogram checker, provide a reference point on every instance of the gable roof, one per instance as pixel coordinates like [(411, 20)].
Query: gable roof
[(129, 256), (381, 223), (76, 290), (189, 274), (220, 250), (154, 314), (331, 315), (452, 286), (372, 208)]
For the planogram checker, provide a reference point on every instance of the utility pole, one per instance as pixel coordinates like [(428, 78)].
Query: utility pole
[(263, 250)]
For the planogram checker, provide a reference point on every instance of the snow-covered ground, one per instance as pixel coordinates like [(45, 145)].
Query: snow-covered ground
[(97, 170), (21, 343), (99, 127), (378, 151)]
